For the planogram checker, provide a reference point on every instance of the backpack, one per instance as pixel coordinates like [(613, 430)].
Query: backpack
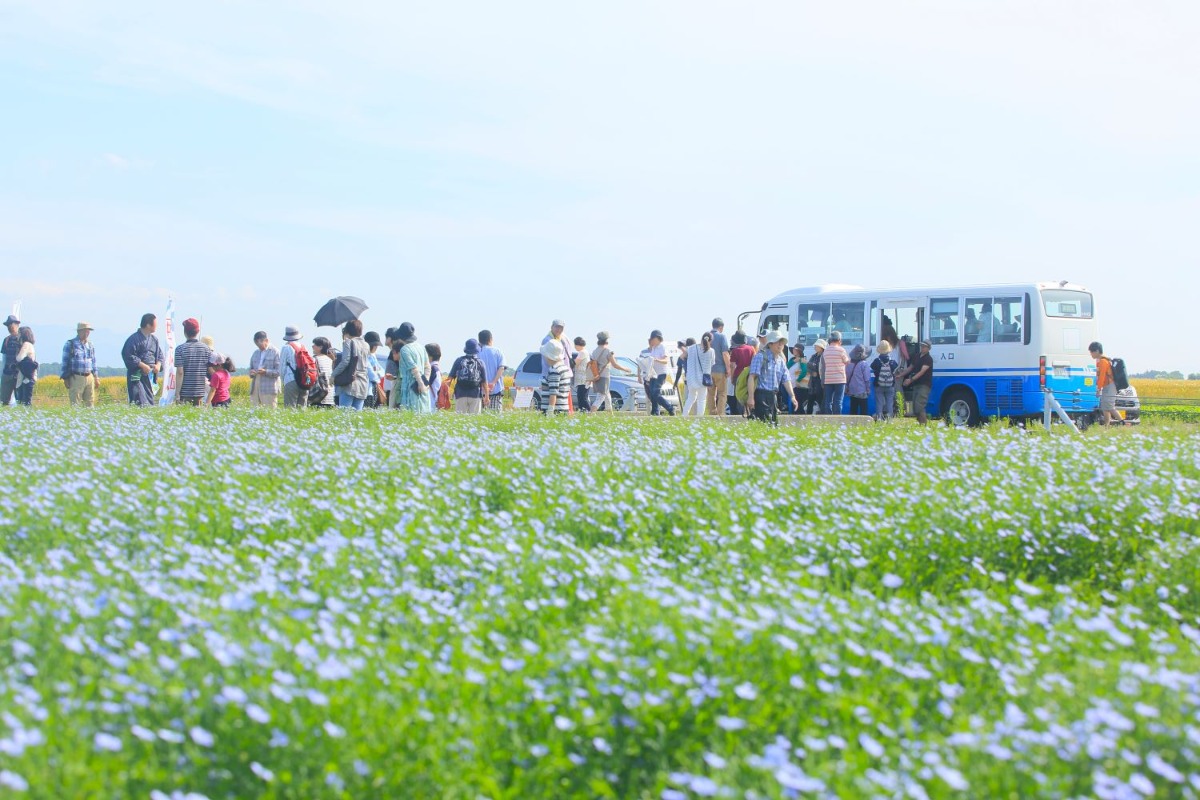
[(443, 398), (306, 372), (470, 372), (1120, 375), (741, 389), (885, 372)]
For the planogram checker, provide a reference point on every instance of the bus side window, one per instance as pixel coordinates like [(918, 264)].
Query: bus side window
[(980, 323), (1008, 318), (812, 322), (943, 328), (848, 321)]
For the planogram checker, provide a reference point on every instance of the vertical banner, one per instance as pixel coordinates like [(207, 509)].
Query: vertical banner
[(168, 376)]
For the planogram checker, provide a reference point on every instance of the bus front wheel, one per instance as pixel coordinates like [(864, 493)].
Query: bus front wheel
[(960, 409)]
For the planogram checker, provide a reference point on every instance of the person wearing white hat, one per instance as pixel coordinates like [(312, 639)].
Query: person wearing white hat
[(79, 368), (768, 372), (293, 395)]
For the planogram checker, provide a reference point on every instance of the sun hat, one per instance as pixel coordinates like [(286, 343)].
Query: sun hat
[(471, 347), (406, 332), (927, 343), (12, 320), (776, 336), (821, 343), (84, 326), (291, 334), (371, 338), (656, 334), (884, 348), (602, 337), (558, 323), (552, 351)]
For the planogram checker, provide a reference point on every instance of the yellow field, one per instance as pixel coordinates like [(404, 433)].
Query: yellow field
[(1175, 390), (52, 392)]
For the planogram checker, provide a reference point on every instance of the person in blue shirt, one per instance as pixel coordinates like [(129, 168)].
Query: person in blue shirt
[(768, 372), (375, 396), (493, 365), (79, 368)]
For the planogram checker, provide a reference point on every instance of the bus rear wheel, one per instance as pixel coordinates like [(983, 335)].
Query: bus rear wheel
[(960, 409)]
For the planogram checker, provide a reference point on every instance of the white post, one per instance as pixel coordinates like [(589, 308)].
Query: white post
[(1052, 406)]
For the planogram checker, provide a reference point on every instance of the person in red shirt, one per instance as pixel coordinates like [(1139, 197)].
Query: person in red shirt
[(218, 382), (740, 356)]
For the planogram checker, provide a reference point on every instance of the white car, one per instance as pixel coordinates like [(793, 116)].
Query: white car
[(1128, 405)]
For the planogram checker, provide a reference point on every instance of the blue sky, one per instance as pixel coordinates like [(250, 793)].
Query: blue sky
[(624, 166)]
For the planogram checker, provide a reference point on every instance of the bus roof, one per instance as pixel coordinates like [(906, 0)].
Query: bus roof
[(851, 290)]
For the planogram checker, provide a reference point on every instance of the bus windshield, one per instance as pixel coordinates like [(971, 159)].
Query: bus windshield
[(1067, 303)]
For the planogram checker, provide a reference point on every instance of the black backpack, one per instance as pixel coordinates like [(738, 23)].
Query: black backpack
[(319, 391), (470, 372), (1120, 375)]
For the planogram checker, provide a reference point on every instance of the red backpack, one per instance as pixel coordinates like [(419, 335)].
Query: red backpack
[(306, 371)]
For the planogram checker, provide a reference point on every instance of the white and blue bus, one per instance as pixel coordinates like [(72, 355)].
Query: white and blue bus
[(995, 347)]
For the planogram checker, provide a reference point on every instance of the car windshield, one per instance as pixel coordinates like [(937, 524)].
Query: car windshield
[(627, 363)]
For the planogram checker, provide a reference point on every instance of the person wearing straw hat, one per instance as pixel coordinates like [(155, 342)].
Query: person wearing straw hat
[(293, 395), (79, 368)]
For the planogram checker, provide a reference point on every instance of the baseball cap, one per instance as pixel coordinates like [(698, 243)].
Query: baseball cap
[(656, 334)]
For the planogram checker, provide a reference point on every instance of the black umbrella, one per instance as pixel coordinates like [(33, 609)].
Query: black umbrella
[(339, 311)]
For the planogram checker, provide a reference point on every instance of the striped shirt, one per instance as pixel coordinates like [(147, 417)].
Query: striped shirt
[(193, 358), (772, 374), (833, 364)]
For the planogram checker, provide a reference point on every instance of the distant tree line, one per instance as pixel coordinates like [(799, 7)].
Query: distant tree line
[(46, 370), (1174, 375)]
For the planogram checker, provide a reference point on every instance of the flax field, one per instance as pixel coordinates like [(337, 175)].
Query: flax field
[(197, 604)]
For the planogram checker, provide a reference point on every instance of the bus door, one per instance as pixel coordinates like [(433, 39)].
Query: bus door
[(905, 317)]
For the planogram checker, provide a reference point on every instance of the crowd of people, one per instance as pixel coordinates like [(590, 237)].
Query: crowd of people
[(715, 374)]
